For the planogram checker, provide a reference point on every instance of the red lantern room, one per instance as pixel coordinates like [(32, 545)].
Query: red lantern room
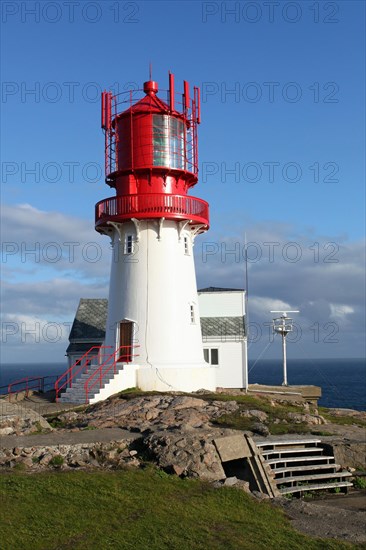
[(151, 155)]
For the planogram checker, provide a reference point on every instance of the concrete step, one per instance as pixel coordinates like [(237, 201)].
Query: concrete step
[(94, 382), (77, 393)]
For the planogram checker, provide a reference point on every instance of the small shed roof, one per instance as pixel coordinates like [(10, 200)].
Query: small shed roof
[(90, 320), (219, 327)]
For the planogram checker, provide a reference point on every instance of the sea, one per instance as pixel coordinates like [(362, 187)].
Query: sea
[(343, 381)]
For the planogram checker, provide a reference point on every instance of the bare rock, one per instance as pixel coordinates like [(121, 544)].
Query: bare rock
[(261, 416), (7, 430), (19, 420), (199, 457), (310, 419), (260, 429), (186, 402), (230, 481)]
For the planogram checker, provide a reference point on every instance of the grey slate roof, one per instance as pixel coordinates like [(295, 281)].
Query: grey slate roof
[(222, 327), (82, 347), (88, 328), (90, 320)]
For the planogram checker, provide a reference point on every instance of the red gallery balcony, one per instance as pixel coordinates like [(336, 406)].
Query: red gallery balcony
[(151, 205)]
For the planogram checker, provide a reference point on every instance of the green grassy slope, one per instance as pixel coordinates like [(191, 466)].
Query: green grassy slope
[(139, 510)]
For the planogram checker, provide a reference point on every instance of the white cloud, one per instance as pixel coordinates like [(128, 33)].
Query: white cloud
[(324, 291), (52, 240), (262, 306), (340, 311), (309, 272)]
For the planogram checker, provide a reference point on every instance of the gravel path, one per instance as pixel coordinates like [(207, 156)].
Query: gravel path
[(342, 517), (102, 435)]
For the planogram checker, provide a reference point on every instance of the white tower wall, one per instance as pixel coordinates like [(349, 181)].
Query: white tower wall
[(155, 287)]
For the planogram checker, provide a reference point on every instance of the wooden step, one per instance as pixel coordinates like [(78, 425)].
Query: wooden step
[(292, 451), (307, 467), (287, 442), (290, 460), (314, 487), (313, 477)]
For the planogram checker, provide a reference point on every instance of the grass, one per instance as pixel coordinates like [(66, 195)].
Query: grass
[(359, 482), (57, 461), (278, 421), (136, 510)]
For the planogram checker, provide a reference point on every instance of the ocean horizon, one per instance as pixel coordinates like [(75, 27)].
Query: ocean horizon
[(343, 381)]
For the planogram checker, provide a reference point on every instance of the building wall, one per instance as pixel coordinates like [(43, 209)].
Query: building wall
[(155, 288), (231, 370), (221, 304)]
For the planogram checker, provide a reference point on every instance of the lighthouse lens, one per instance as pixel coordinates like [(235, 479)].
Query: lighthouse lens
[(168, 142)]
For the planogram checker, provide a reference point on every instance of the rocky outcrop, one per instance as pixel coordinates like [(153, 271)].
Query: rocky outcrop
[(18, 420), (310, 419), (176, 432), (113, 454), (187, 454), (349, 454), (151, 413)]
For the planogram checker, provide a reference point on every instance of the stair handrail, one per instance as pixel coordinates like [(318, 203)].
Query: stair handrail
[(69, 379), (117, 359)]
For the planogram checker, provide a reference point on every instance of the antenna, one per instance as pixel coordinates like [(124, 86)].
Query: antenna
[(246, 313), (283, 325), (150, 71)]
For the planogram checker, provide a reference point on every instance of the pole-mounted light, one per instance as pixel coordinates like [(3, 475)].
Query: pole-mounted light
[(283, 325)]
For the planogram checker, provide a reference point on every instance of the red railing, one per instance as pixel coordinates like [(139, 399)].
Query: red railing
[(109, 364), (189, 108), (152, 205), (28, 383), (83, 363)]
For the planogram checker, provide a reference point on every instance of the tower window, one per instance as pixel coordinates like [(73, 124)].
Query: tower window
[(186, 245), (168, 141), (193, 315), (129, 244)]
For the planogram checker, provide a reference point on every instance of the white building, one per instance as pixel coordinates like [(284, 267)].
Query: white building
[(222, 322), (222, 314)]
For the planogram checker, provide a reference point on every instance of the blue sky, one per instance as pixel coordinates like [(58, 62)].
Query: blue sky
[(281, 149)]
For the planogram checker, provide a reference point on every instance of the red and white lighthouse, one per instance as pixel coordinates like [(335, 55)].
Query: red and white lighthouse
[(151, 162)]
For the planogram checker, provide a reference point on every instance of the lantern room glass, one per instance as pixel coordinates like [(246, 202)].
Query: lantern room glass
[(168, 142)]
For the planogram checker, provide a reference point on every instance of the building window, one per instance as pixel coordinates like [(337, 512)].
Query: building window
[(192, 312), (214, 356), (186, 245), (129, 244), (211, 356)]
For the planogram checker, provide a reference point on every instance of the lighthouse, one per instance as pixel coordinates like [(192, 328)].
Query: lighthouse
[(151, 163)]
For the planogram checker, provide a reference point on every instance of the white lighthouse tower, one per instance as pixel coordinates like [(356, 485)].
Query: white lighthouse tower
[(153, 324)]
